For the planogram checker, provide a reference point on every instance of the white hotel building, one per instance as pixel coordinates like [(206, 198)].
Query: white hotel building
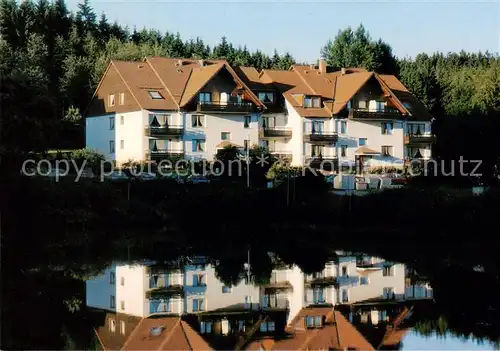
[(143, 290), (169, 108)]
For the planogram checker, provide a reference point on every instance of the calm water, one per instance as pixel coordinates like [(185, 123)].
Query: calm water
[(416, 341)]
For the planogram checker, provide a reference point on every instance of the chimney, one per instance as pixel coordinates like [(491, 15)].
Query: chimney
[(201, 62), (322, 65), (312, 66), (343, 71), (179, 63)]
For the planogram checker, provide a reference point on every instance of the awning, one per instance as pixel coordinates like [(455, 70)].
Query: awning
[(227, 143), (364, 151)]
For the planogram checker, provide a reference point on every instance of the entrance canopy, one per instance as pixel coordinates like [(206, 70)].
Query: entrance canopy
[(365, 151)]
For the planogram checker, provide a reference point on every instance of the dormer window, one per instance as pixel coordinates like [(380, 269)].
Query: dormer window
[(155, 95), (312, 101), (313, 321), (267, 98)]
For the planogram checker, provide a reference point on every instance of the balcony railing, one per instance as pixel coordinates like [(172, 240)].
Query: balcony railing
[(389, 114), (419, 139), (321, 281), (159, 154), (277, 132), (322, 137), (165, 291), (226, 107), (168, 130)]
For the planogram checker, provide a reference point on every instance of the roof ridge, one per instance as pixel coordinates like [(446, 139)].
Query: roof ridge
[(161, 81), (128, 87), (169, 336), (185, 335), (133, 333), (384, 84)]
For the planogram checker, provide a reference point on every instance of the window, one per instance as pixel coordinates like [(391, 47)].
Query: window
[(268, 326), (344, 271), (112, 303), (198, 145), (225, 136), (307, 101), (312, 101), (362, 141), (122, 144), (241, 326), (111, 123), (267, 98), (345, 296), (226, 289), (155, 95), (111, 146), (317, 127), (199, 280), (364, 280), (313, 322), (349, 105), (122, 327), (380, 105), (112, 277), (246, 123), (387, 150), (205, 327), (318, 296), (122, 305), (204, 98), (343, 127), (112, 325), (343, 150), (387, 128), (316, 102), (407, 106), (122, 281), (246, 144), (248, 301), (317, 150), (198, 305), (111, 100), (122, 99), (388, 271), (122, 120), (388, 293), (197, 121), (362, 104)]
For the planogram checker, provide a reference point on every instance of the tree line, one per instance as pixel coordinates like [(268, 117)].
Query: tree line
[(51, 60)]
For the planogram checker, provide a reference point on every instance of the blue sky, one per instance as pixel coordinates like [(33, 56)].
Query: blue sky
[(302, 27)]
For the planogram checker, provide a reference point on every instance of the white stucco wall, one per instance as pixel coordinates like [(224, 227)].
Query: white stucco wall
[(99, 289), (296, 141), (98, 135), (217, 299), (215, 124)]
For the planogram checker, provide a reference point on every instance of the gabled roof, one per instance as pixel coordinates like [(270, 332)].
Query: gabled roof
[(250, 76), (184, 78), (336, 334), (336, 89), (175, 334)]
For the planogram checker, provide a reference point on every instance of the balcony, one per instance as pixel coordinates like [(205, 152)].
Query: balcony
[(277, 132), (321, 137), (281, 154), (225, 107), (162, 154), (165, 291), (381, 115), (169, 130), (321, 281), (413, 139)]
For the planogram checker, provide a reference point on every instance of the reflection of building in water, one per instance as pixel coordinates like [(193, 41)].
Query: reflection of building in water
[(192, 296)]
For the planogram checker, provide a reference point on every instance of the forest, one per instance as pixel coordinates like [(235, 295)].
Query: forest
[(51, 60)]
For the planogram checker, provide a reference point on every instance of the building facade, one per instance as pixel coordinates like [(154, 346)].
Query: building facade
[(174, 108)]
